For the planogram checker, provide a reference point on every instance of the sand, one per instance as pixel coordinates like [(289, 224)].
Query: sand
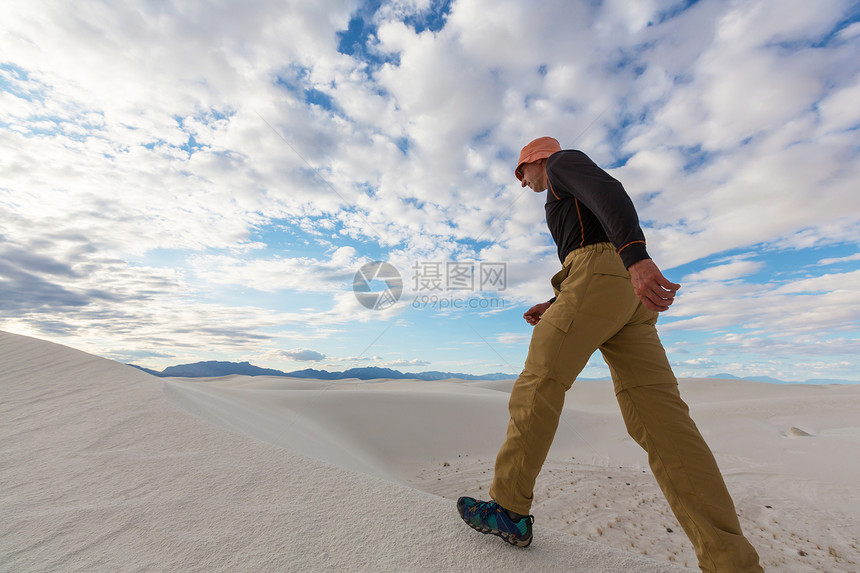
[(105, 468)]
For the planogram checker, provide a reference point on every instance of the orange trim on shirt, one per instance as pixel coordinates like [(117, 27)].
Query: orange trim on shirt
[(581, 226), (628, 244), (548, 182), (578, 214)]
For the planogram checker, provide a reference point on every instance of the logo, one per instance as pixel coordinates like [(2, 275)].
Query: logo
[(377, 285)]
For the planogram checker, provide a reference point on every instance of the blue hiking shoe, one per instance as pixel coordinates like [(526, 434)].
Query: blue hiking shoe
[(490, 517)]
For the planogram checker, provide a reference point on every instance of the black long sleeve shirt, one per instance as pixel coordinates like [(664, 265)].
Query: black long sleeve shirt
[(585, 205)]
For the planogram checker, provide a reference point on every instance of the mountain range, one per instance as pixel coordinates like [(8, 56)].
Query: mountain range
[(212, 369), (771, 380)]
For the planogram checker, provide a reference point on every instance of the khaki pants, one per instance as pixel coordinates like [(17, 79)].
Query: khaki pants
[(597, 309)]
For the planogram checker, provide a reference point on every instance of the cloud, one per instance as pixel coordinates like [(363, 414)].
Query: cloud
[(161, 158), (455, 95), (447, 89), (726, 272), (513, 338), (280, 273), (838, 260), (699, 363), (153, 313), (824, 304), (366, 359), (404, 363), (35, 278), (303, 354)]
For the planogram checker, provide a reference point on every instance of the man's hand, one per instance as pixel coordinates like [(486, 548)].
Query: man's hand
[(653, 289), (533, 314)]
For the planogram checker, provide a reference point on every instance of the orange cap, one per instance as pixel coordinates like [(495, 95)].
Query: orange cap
[(540, 148)]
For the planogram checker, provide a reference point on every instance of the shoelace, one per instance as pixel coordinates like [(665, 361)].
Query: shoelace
[(486, 508)]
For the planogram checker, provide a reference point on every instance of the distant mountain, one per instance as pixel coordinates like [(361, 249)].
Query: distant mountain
[(771, 380), (767, 379), (213, 369), (373, 372)]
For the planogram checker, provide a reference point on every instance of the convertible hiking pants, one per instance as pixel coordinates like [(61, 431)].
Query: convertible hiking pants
[(596, 308)]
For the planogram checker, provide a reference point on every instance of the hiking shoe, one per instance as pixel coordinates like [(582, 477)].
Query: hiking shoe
[(490, 517)]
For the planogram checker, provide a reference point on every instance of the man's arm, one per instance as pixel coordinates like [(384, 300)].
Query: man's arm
[(533, 314)]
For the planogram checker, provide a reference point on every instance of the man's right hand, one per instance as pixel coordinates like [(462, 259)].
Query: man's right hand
[(653, 289), (533, 314)]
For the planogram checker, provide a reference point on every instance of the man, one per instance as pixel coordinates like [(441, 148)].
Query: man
[(607, 297)]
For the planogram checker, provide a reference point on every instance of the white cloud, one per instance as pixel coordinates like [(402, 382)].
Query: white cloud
[(737, 122), (443, 92), (837, 260), (829, 283), (302, 354), (726, 272), (300, 274), (513, 338), (824, 304), (415, 362)]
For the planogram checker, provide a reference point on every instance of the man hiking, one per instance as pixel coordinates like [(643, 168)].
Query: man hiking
[(607, 297)]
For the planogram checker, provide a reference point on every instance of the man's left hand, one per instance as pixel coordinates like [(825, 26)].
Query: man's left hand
[(653, 289)]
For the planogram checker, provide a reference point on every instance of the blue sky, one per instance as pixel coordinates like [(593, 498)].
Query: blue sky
[(185, 182)]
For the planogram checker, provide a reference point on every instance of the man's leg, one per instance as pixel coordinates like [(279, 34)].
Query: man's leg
[(591, 307), (535, 408), (659, 420)]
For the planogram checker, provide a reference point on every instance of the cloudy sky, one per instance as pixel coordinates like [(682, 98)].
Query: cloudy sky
[(184, 181)]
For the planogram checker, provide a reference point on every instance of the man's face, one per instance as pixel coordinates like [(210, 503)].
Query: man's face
[(534, 175)]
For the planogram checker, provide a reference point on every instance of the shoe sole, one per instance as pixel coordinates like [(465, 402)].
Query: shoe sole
[(508, 537)]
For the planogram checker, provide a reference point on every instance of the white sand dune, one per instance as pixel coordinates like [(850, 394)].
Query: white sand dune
[(788, 453), (101, 472), (386, 428)]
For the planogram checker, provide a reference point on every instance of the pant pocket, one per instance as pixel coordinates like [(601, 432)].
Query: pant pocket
[(610, 264), (559, 278)]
